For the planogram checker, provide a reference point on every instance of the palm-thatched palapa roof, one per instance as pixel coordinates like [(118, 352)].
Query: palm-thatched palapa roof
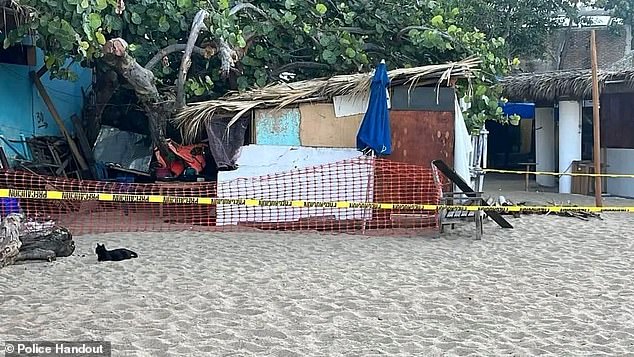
[(194, 117), (12, 14), (573, 84)]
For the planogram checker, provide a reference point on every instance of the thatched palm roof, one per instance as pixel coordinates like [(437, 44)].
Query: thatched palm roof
[(12, 14), (574, 84), (193, 118)]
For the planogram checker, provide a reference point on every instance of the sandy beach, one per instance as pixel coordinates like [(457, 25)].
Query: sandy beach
[(551, 286)]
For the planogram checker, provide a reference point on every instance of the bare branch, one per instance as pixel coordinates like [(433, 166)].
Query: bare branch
[(204, 52), (228, 57), (197, 25), (242, 6), (141, 79)]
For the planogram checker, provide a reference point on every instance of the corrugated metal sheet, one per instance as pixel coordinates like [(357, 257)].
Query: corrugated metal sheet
[(277, 127)]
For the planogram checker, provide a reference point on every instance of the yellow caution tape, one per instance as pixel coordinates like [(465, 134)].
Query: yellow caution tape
[(500, 171), (128, 198)]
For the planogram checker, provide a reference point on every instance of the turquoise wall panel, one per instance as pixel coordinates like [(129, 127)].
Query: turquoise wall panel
[(22, 110), (277, 127)]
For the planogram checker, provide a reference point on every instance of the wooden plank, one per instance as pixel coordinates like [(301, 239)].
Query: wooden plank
[(58, 119), (84, 143), (464, 187), (319, 127)]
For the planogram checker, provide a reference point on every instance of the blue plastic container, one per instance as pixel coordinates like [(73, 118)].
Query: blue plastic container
[(9, 205)]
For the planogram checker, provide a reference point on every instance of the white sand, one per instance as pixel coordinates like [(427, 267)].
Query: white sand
[(552, 285)]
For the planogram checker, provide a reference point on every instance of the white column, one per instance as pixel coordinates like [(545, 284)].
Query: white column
[(569, 140), (545, 150)]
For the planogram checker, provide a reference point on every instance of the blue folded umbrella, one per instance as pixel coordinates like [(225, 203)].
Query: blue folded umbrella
[(374, 132)]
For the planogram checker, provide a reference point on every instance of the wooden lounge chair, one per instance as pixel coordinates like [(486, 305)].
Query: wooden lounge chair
[(449, 217)]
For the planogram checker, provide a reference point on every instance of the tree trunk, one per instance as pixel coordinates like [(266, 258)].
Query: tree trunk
[(46, 244), (10, 239), (18, 244), (144, 84)]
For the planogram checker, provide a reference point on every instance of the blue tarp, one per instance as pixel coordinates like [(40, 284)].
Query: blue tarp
[(374, 132), (524, 110)]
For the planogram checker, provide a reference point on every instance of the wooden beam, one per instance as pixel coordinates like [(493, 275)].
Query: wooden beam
[(468, 191), (596, 124), (42, 71), (58, 119)]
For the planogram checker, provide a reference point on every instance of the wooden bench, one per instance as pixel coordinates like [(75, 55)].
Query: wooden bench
[(450, 217)]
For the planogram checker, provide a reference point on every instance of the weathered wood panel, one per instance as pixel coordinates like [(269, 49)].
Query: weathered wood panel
[(320, 128)]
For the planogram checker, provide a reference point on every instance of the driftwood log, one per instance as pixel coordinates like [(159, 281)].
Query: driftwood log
[(19, 242), (10, 239), (46, 244)]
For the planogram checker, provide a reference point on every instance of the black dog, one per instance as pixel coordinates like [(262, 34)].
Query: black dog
[(113, 255)]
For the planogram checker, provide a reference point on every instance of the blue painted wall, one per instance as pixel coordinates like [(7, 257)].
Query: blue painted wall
[(277, 127), (22, 110)]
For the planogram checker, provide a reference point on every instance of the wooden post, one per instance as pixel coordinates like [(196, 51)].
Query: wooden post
[(596, 124), (58, 119)]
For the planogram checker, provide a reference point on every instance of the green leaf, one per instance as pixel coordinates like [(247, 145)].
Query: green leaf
[(243, 83), (94, 20), (240, 41), (114, 22), (437, 21), (321, 8), (101, 5), (350, 52), (329, 56), (101, 39), (184, 3), (84, 4), (290, 17), (164, 25), (136, 18), (199, 91)]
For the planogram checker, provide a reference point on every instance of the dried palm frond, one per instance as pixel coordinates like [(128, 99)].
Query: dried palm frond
[(17, 12), (193, 118)]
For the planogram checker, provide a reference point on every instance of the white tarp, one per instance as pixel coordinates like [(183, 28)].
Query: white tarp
[(272, 162), (462, 146)]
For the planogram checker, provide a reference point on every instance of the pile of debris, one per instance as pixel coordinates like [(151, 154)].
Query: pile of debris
[(502, 201), (583, 215)]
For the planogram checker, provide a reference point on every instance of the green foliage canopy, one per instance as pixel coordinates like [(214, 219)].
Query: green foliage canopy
[(309, 38)]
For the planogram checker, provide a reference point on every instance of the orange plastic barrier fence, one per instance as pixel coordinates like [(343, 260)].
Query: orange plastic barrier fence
[(360, 180)]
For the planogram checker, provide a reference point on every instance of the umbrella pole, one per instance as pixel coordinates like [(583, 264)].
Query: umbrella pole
[(367, 193)]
